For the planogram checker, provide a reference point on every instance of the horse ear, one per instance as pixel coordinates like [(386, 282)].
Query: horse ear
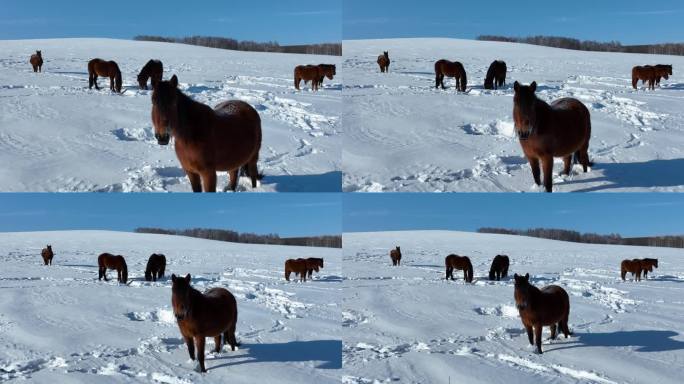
[(533, 86), (173, 277), (527, 276), (516, 86), (187, 277), (515, 276), (174, 81)]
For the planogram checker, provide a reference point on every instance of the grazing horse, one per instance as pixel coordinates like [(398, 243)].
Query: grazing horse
[(99, 67), (313, 264), (298, 266), (47, 255), (308, 73), (648, 264), (540, 307), (662, 70), (646, 73), (326, 70), (108, 261), (561, 129), (395, 255), (634, 266), (499, 267), (199, 316), (459, 262), (496, 75), (156, 265), (451, 69), (154, 69), (384, 62), (36, 61), (226, 138)]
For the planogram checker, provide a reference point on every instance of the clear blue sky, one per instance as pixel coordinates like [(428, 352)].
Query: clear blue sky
[(628, 21), (288, 214), (285, 21), (632, 214)]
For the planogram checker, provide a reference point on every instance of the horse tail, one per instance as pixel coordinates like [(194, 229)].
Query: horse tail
[(124, 272), (464, 81), (287, 272), (491, 274), (470, 272), (635, 78)]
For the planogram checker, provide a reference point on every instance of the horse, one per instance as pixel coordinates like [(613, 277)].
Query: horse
[(634, 266), (647, 265), (384, 62), (451, 69), (156, 265), (662, 70), (199, 316), (326, 70), (496, 75), (540, 307), (561, 129), (36, 61), (154, 69), (499, 267), (313, 264), (47, 255), (459, 262), (395, 255), (227, 138), (108, 261), (308, 73), (99, 67), (646, 73), (298, 266)]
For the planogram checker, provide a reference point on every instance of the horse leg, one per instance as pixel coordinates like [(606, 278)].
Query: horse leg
[(195, 181), (229, 335), (567, 164), (537, 336), (99, 274), (553, 331), (534, 165), (528, 328), (233, 176), (623, 272), (288, 272), (253, 170), (90, 81), (191, 346), (199, 342), (217, 342), (209, 181), (564, 327), (547, 167)]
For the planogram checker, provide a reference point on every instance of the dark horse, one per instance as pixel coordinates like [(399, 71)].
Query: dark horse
[(662, 70), (648, 264), (459, 262), (154, 69), (108, 261), (313, 264), (384, 62), (298, 266), (395, 255), (633, 266), (646, 73), (47, 255), (326, 70), (451, 69), (561, 129), (540, 307), (312, 73), (226, 138), (499, 267), (496, 75), (199, 316), (99, 67), (156, 265), (36, 61)]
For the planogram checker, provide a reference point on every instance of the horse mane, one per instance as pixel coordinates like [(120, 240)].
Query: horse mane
[(188, 117)]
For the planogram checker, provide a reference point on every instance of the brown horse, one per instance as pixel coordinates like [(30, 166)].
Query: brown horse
[(395, 255), (451, 69), (199, 316), (540, 307), (561, 129), (308, 73), (313, 264), (326, 70), (384, 62), (108, 261), (226, 138), (47, 255), (459, 262), (633, 266), (648, 264), (298, 266), (99, 67), (499, 267), (156, 265), (646, 73), (154, 69), (36, 61), (496, 75), (662, 71)]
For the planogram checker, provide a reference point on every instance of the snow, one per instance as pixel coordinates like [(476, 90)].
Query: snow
[(402, 134), (60, 324), (407, 324), (60, 136)]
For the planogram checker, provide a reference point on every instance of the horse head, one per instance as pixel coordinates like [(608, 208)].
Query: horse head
[(142, 81), (180, 296), (524, 109), (522, 291), (165, 109)]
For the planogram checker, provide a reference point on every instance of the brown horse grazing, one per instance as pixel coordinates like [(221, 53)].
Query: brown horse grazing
[(47, 255), (662, 70), (561, 129), (298, 266), (459, 262), (451, 69), (199, 316), (226, 138), (99, 67), (108, 261), (326, 70), (646, 73), (395, 255), (540, 307), (307, 73), (384, 62), (648, 264), (156, 265), (154, 69), (634, 266), (499, 267), (496, 75), (313, 264), (36, 61)]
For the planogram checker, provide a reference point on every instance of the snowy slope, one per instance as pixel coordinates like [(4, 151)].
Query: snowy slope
[(401, 134), (407, 324), (60, 324), (60, 136)]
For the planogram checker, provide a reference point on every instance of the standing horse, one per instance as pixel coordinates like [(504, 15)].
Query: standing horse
[(313, 264), (648, 264), (496, 75), (47, 255), (199, 316), (662, 70), (99, 67), (499, 267), (384, 62), (633, 266), (562, 129), (540, 307), (108, 261), (326, 70), (154, 69), (308, 73), (451, 69), (156, 265), (395, 255), (298, 266), (459, 262), (36, 61), (646, 73), (226, 138)]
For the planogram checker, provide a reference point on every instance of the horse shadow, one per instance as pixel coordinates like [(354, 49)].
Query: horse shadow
[(329, 279), (652, 173), (644, 341), (325, 182), (329, 352), (669, 278), (673, 87), (80, 265)]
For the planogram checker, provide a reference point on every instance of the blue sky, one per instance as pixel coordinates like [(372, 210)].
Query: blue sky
[(285, 21), (631, 214), (289, 214), (628, 21)]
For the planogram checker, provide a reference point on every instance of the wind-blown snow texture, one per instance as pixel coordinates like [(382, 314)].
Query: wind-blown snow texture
[(59, 136), (402, 134), (60, 324), (407, 324)]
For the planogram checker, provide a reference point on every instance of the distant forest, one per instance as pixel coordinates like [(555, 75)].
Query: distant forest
[(590, 238), (333, 241), (332, 49), (589, 45)]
